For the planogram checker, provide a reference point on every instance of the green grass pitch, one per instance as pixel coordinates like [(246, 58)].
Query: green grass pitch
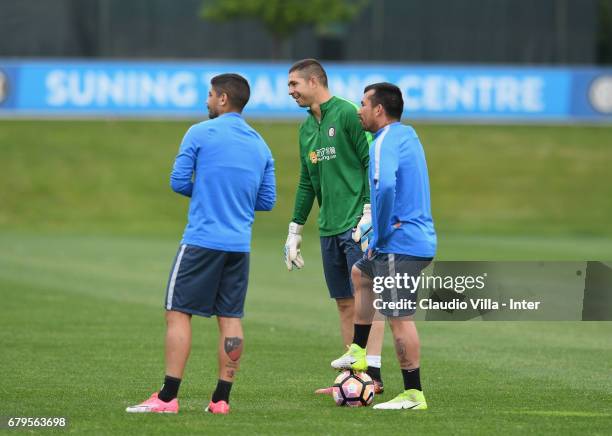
[(89, 228)]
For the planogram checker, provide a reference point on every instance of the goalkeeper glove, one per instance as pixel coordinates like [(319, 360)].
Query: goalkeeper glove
[(363, 232), (293, 255)]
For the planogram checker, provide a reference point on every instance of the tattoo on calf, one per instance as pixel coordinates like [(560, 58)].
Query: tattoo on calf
[(233, 347), (400, 348)]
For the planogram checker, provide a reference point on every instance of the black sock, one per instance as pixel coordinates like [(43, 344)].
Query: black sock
[(222, 392), (169, 390), (374, 373), (360, 337), (412, 379)]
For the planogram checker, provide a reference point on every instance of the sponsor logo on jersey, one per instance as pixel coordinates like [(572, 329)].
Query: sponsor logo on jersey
[(313, 157), (331, 132), (325, 153)]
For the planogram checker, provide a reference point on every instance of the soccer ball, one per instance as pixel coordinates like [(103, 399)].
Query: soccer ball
[(353, 389)]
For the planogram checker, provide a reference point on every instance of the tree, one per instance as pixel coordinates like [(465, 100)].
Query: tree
[(604, 32), (282, 18)]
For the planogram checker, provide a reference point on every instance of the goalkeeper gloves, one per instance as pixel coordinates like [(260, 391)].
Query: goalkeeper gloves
[(293, 255), (363, 232)]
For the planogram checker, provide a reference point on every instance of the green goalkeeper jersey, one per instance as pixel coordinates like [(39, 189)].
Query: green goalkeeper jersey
[(334, 167)]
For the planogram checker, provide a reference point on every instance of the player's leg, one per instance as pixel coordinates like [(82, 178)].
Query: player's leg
[(355, 357), (364, 297), (178, 347), (366, 325), (229, 308), (346, 311), (365, 314), (178, 328), (231, 341), (407, 348), (178, 342), (194, 269), (405, 335), (337, 278)]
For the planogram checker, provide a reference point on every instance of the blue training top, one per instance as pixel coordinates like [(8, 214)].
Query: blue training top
[(399, 185), (227, 169)]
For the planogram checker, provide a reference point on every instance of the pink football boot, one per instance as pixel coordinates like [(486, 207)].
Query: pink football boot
[(155, 405), (218, 408), (325, 391)]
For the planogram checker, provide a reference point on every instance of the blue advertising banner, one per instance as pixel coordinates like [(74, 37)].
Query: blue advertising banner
[(179, 89)]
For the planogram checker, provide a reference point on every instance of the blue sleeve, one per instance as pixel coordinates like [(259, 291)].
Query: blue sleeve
[(384, 192), (181, 179), (266, 196)]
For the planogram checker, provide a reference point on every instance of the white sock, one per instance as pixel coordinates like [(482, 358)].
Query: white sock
[(374, 361)]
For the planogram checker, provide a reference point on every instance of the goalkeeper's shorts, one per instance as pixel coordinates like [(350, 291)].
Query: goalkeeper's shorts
[(339, 253), (208, 282)]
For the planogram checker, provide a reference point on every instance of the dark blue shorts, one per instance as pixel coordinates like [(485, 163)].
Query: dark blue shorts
[(208, 282), (339, 254), (384, 265)]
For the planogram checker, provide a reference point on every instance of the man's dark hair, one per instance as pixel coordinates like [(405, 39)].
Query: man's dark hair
[(389, 96), (310, 67), (235, 87)]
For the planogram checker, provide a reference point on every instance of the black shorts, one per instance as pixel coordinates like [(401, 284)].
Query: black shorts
[(339, 254), (208, 282), (393, 300)]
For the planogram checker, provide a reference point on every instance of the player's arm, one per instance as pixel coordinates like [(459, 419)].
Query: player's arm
[(266, 196), (361, 141), (383, 192), (181, 178), (304, 196), (304, 199)]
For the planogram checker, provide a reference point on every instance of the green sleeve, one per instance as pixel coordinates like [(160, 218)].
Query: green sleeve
[(304, 196), (361, 141)]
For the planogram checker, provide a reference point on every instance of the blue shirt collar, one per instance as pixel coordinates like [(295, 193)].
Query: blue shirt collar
[(230, 114), (383, 128)]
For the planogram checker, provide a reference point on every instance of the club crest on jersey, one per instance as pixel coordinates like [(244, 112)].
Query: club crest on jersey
[(331, 132)]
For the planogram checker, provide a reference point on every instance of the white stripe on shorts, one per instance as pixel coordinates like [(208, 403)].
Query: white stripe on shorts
[(394, 289), (173, 278)]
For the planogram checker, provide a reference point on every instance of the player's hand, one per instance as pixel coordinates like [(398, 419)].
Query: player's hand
[(363, 231), (293, 255)]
